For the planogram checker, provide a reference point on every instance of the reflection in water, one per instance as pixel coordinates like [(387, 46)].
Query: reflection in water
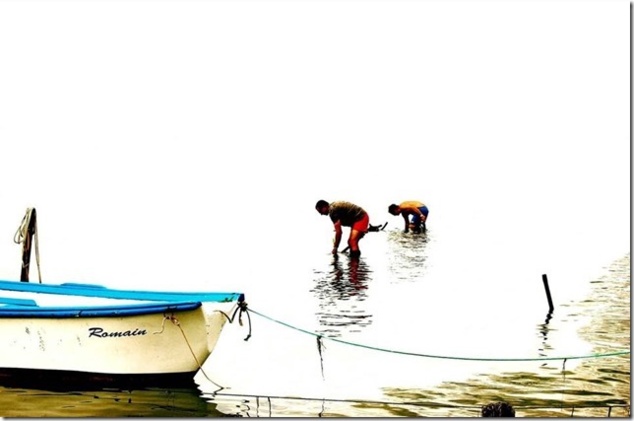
[(597, 387), (339, 292), (19, 402), (407, 254), (544, 329)]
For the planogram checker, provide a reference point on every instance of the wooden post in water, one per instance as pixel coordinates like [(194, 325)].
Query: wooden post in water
[(26, 247), (550, 299)]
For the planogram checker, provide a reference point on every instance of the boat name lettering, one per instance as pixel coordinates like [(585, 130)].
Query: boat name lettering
[(100, 333)]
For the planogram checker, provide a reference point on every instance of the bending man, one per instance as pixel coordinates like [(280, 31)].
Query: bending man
[(346, 214), (416, 209)]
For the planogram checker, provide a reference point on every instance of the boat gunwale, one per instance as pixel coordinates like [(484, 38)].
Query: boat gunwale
[(124, 310), (88, 290)]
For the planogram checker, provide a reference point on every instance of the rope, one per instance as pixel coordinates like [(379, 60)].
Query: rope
[(257, 407), (321, 346), (446, 357), (37, 252), (21, 233), (242, 307), (175, 321), (563, 388), (165, 317), (427, 404)]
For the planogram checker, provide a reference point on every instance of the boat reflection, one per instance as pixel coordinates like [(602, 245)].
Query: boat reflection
[(340, 293), (151, 402)]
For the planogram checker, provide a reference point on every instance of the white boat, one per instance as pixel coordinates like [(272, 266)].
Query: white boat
[(76, 335), (88, 334)]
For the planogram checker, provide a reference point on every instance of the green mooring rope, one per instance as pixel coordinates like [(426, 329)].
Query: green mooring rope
[(446, 357)]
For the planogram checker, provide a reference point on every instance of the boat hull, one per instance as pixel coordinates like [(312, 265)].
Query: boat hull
[(171, 342), (116, 340)]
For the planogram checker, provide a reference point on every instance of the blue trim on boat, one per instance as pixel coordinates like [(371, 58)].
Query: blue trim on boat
[(87, 290), (18, 301), (93, 311)]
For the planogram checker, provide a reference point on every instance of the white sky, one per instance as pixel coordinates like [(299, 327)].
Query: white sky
[(116, 108)]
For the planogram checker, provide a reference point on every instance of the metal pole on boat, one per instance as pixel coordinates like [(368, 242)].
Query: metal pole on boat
[(26, 247), (550, 299)]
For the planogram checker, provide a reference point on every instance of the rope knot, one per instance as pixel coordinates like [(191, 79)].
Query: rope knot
[(169, 317), (241, 307)]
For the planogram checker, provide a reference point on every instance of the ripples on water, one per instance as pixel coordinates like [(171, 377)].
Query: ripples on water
[(105, 403), (592, 387), (595, 388), (338, 293), (408, 257)]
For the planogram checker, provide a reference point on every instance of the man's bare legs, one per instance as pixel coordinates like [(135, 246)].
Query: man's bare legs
[(353, 242)]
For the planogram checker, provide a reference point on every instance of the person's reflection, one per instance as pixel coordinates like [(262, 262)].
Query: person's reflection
[(407, 255), (355, 281), (339, 294)]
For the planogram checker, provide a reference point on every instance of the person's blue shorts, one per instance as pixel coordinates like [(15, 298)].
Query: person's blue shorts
[(416, 218)]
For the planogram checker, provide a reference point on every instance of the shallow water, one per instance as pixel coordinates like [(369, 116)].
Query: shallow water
[(430, 325), (368, 329), (106, 403), (359, 381)]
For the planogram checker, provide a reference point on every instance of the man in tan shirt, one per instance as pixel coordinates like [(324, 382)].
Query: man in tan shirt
[(416, 209), (348, 215)]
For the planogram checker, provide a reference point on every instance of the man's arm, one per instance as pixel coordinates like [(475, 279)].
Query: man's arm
[(337, 240), (406, 219)]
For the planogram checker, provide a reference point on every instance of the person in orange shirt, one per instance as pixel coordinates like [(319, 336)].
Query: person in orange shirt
[(346, 214), (417, 210)]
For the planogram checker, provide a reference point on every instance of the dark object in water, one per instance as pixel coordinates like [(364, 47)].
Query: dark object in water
[(374, 228), (498, 409)]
